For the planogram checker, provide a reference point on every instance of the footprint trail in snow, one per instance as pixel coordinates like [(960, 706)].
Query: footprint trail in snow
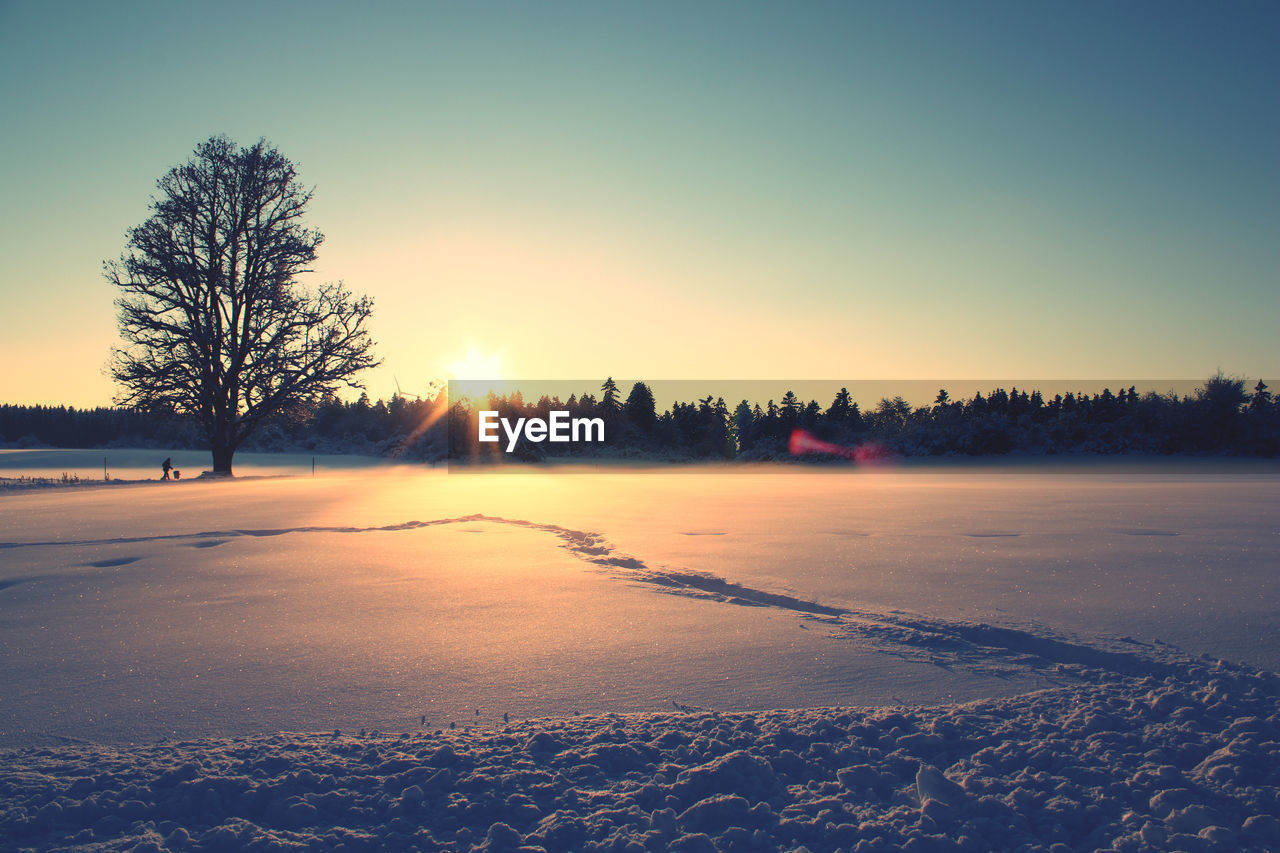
[(973, 646)]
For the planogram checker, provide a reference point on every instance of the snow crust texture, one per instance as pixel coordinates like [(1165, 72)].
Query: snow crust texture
[(1185, 761)]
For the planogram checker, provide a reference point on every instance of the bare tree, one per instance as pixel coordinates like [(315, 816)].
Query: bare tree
[(214, 322)]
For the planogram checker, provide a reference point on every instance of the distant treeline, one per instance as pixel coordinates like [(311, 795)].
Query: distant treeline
[(1221, 417), (66, 426), (334, 426)]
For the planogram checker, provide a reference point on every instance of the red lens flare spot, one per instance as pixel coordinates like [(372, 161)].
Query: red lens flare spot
[(867, 453)]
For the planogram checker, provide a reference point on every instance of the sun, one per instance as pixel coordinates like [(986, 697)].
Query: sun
[(476, 366)]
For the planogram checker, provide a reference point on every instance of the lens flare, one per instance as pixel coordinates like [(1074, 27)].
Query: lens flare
[(867, 453)]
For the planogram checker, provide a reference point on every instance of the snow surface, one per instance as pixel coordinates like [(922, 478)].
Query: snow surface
[(131, 464), (1184, 762), (991, 657)]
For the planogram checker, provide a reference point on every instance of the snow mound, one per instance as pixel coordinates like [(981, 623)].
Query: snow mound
[(1187, 760)]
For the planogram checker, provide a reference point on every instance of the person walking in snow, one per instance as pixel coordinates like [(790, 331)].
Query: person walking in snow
[(167, 465)]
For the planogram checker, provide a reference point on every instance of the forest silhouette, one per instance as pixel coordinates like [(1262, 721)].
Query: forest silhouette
[(1220, 418)]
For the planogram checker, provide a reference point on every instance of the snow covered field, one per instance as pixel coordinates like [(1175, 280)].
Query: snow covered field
[(90, 466), (990, 656)]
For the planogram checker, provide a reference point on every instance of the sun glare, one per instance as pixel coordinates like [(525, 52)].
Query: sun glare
[(476, 366)]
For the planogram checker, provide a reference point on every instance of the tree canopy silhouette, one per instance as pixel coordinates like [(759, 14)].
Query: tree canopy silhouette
[(214, 322)]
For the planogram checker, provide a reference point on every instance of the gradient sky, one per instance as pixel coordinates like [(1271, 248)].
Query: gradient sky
[(681, 190)]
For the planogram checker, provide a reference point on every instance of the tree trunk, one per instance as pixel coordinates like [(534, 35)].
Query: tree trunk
[(222, 454)]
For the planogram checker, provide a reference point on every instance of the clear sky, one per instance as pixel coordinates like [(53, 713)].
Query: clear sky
[(681, 190)]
